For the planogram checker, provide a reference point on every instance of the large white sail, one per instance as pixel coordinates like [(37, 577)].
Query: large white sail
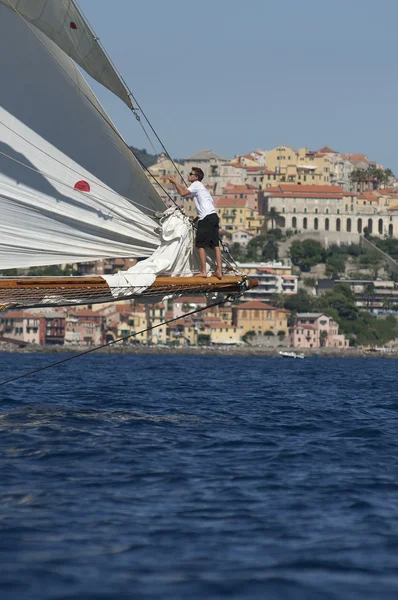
[(70, 189), (61, 22)]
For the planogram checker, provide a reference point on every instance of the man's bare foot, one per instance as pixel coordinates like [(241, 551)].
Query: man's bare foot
[(217, 274), (201, 274)]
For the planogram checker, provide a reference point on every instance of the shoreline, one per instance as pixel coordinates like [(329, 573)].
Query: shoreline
[(199, 351)]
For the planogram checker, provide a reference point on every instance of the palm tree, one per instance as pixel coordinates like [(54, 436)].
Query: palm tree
[(323, 336), (368, 294), (273, 216)]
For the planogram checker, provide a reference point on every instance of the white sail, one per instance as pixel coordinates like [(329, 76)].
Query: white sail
[(61, 22), (55, 137)]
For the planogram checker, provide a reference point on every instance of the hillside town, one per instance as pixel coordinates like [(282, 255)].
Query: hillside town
[(269, 203)]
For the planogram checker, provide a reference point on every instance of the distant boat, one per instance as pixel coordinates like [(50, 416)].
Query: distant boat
[(292, 354)]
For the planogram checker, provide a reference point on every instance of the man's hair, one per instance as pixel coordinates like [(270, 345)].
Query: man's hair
[(198, 172)]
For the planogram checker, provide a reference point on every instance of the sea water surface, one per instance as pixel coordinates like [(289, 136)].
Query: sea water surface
[(168, 477)]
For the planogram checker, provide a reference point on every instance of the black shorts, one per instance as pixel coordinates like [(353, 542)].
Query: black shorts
[(207, 233)]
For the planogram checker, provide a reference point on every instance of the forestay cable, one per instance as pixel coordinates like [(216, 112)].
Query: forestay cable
[(131, 335)]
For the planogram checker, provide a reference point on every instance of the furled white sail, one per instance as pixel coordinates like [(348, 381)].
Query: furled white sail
[(70, 189), (61, 22)]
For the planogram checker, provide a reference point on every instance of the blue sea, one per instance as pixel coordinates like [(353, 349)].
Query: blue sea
[(175, 477)]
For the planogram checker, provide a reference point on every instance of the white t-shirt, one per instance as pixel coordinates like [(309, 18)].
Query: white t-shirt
[(203, 200)]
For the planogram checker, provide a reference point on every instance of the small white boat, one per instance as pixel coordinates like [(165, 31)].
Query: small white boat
[(292, 354)]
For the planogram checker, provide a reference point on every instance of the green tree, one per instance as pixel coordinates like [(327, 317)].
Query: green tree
[(248, 337), (300, 302), (237, 251), (273, 217), (306, 254), (270, 251), (277, 300), (368, 294), (323, 337)]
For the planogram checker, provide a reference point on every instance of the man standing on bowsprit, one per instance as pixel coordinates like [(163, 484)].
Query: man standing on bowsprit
[(207, 235)]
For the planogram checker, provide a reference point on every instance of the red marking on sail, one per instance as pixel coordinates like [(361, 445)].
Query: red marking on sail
[(82, 186), (73, 25)]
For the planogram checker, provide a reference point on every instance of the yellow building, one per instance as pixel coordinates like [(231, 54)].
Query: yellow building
[(260, 317), (220, 332), (286, 165), (236, 215)]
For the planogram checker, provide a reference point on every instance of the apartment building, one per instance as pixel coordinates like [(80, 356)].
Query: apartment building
[(273, 278), (329, 209), (316, 330), (46, 327), (260, 317), (237, 215)]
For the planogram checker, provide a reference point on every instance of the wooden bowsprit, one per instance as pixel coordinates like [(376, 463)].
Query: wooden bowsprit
[(30, 292)]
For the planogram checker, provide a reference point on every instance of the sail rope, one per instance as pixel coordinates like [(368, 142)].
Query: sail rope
[(105, 118), (66, 185), (130, 94), (227, 258), (131, 335), (108, 120)]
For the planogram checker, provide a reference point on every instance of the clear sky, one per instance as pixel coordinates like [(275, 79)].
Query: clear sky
[(235, 75)]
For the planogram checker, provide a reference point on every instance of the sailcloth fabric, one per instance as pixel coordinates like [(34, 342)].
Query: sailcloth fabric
[(70, 189), (61, 22), (174, 257)]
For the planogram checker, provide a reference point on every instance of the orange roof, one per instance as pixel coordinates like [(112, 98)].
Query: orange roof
[(86, 312), (230, 202), (326, 150), (286, 187), (306, 191), (230, 188), (388, 192), (354, 158), (112, 325), (255, 304), (20, 314), (236, 165), (367, 196)]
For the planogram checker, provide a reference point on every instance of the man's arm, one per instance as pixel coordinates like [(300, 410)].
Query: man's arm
[(181, 189)]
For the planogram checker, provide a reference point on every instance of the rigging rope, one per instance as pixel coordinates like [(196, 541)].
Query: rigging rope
[(133, 108), (62, 183), (129, 92), (108, 121), (131, 335)]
